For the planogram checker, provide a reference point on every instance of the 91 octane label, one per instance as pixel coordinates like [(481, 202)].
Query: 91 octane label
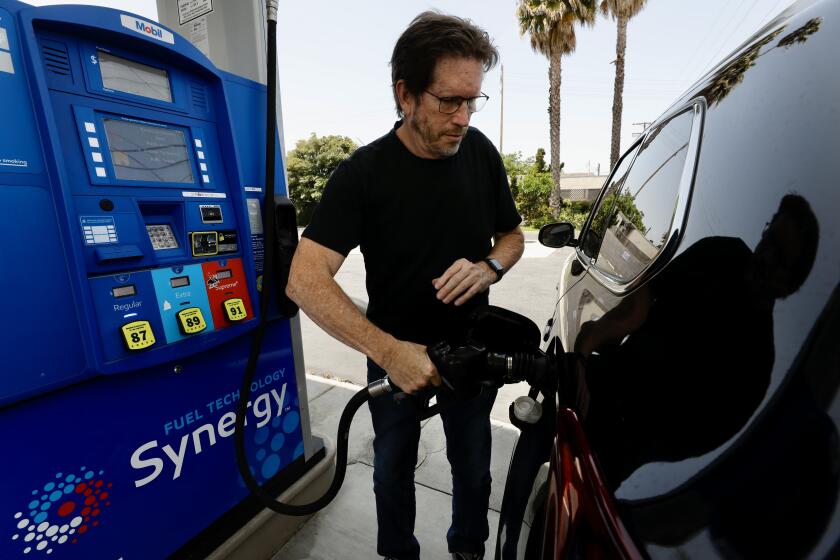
[(191, 320), (138, 335), (235, 309)]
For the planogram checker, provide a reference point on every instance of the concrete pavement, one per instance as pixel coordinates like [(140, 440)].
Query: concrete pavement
[(346, 529)]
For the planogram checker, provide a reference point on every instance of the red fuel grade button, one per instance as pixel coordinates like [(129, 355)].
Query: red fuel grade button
[(227, 291)]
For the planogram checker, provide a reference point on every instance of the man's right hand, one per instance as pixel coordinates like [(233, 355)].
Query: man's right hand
[(409, 367)]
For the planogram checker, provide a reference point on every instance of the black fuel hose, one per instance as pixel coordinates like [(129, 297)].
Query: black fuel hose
[(269, 230)]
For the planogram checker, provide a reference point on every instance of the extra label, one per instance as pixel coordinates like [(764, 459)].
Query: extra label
[(138, 335), (191, 321), (234, 309)]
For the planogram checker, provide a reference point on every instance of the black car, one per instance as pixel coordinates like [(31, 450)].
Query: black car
[(698, 326)]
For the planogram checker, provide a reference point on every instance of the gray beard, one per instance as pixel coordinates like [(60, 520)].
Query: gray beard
[(426, 136)]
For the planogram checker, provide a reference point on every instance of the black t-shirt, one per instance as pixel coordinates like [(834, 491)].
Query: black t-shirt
[(413, 218)]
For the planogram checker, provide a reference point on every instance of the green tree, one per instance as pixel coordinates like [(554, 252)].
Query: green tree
[(625, 203), (539, 160), (575, 212), (621, 11), (551, 27), (309, 166), (532, 200), (516, 167)]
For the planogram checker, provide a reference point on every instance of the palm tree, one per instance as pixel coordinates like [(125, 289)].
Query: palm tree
[(622, 11), (551, 27)]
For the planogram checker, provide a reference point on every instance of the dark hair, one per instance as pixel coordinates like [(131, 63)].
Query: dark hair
[(798, 210), (430, 37)]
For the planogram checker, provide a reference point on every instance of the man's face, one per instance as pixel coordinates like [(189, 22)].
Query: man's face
[(434, 134)]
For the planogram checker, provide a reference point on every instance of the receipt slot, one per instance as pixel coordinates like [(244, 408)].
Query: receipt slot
[(130, 180)]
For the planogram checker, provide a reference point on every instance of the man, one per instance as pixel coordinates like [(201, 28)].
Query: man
[(423, 203)]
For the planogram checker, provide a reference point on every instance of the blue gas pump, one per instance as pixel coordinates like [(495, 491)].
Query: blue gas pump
[(131, 194)]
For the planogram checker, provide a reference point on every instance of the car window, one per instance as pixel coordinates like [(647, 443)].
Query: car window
[(639, 223), (599, 220)]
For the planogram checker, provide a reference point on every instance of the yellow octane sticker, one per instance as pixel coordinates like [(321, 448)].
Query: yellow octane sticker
[(138, 335), (191, 321), (235, 309)]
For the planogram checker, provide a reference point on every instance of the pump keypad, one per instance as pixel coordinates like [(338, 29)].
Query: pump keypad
[(235, 309), (191, 320), (138, 335)]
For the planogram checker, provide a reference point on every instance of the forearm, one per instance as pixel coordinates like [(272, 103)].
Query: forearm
[(508, 247), (313, 287), (330, 308)]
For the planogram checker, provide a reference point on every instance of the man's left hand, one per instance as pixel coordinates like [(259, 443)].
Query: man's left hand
[(463, 280)]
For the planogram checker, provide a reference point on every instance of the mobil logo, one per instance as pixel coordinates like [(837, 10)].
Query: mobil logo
[(147, 28)]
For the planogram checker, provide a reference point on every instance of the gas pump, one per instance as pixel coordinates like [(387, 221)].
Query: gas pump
[(131, 194)]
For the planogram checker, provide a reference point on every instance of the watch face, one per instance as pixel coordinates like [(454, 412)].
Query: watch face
[(496, 266)]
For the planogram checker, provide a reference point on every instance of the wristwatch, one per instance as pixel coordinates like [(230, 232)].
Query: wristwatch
[(496, 266)]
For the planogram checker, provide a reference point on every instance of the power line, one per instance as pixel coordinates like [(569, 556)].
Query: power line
[(723, 44), (772, 12), (691, 61)]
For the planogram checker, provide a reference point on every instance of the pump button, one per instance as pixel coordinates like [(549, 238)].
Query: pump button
[(191, 321), (234, 309), (138, 335)]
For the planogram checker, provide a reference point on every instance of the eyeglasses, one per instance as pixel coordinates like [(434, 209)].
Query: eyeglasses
[(450, 105)]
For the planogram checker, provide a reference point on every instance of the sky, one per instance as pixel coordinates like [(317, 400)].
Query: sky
[(335, 78)]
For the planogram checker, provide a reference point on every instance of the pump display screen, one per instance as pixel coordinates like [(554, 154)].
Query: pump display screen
[(144, 152), (124, 291), (131, 77), (179, 281)]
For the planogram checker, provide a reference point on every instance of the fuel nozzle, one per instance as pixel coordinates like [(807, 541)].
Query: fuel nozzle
[(514, 367), (465, 369)]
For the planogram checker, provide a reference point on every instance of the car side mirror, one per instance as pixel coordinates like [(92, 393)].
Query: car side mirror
[(558, 235)]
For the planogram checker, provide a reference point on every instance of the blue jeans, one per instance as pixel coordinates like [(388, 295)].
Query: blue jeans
[(397, 435)]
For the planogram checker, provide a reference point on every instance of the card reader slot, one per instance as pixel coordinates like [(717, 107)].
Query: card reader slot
[(117, 253)]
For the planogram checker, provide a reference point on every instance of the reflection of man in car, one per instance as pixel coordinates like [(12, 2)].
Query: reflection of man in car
[(658, 391)]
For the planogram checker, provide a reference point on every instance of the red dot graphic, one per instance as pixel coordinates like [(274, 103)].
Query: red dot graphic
[(104, 496), (83, 529), (98, 483), (88, 492), (81, 488), (87, 518), (89, 500), (96, 512), (95, 523), (110, 484), (66, 508), (86, 511)]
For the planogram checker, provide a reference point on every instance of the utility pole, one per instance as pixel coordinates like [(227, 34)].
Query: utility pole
[(644, 126), (502, 116)]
